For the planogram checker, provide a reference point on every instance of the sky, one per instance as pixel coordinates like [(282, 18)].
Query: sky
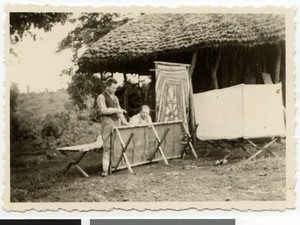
[(37, 64)]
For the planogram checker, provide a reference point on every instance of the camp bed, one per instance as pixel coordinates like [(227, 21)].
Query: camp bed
[(240, 114), (80, 151), (142, 144), (137, 145)]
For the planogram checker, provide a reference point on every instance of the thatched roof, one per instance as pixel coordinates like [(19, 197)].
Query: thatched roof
[(152, 35)]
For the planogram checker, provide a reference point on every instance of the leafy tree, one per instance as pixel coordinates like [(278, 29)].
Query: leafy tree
[(21, 128), (83, 86), (14, 123), (54, 125), (14, 93), (20, 23), (91, 27)]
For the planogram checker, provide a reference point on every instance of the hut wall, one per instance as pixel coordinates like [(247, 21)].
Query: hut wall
[(237, 65)]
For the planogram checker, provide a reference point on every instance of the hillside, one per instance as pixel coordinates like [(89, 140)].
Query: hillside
[(45, 121), (39, 104)]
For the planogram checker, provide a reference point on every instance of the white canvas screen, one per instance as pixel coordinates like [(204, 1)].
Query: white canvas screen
[(246, 111), (263, 110), (219, 113)]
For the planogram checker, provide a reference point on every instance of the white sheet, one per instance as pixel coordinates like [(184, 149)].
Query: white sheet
[(247, 111)]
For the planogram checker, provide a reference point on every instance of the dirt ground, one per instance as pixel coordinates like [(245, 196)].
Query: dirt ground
[(40, 179)]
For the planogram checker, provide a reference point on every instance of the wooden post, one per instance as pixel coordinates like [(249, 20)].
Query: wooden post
[(191, 102), (249, 77), (141, 90), (241, 69), (111, 152), (234, 76), (225, 68), (277, 64), (214, 70), (152, 96), (234, 65), (263, 60), (194, 60), (126, 106)]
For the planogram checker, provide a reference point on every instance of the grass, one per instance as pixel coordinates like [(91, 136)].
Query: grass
[(42, 180)]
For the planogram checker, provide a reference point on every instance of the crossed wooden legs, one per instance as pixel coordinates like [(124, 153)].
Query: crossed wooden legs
[(158, 148), (261, 149), (189, 141), (75, 163), (238, 146), (125, 147)]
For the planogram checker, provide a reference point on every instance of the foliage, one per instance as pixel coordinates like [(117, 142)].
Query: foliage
[(55, 124), (21, 128), (14, 93), (14, 125), (40, 126), (61, 129), (83, 86), (92, 26), (22, 22)]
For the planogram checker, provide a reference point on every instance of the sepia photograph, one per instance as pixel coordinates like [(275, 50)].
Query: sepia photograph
[(149, 109)]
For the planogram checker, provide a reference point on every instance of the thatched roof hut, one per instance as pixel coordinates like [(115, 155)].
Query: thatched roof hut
[(223, 49), (133, 47)]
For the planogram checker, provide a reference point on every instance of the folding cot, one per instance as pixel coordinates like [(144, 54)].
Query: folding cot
[(136, 145), (80, 151), (240, 114)]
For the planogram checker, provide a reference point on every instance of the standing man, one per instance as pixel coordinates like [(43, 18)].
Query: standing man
[(142, 117), (111, 115)]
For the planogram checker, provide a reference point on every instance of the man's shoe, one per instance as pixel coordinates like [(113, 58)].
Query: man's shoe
[(104, 174)]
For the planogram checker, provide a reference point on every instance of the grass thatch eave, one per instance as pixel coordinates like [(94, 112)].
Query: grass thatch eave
[(153, 35)]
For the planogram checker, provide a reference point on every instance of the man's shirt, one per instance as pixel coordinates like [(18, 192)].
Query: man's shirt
[(103, 109)]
